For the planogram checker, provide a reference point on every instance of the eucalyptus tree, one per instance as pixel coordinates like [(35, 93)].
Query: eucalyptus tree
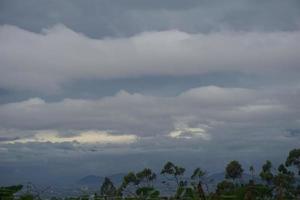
[(8, 192), (199, 176), (174, 171), (266, 173), (139, 185), (283, 183), (293, 159), (175, 174), (234, 170), (108, 188)]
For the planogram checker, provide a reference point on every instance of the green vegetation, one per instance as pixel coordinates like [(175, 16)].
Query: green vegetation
[(279, 183)]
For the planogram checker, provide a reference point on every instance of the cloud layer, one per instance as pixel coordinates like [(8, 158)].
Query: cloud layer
[(44, 62), (119, 85), (199, 111), (202, 125)]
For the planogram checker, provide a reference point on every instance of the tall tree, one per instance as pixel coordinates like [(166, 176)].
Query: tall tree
[(146, 177), (199, 174), (8, 192), (234, 170), (140, 184), (173, 170), (283, 183), (293, 159), (252, 171), (175, 173), (266, 173), (108, 188)]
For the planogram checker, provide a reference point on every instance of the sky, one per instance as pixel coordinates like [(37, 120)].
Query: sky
[(107, 86)]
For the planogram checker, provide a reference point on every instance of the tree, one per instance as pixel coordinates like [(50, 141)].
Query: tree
[(108, 188), (283, 182), (225, 187), (141, 183), (8, 192), (266, 173), (234, 170), (175, 171), (250, 187), (252, 171), (146, 176), (293, 159), (199, 174), (129, 180)]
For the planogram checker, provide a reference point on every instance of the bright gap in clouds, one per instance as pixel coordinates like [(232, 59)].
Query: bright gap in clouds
[(86, 137)]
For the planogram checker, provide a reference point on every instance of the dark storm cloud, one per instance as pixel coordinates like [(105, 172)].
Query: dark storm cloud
[(125, 18)]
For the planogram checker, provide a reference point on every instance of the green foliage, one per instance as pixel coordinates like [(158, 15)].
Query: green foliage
[(234, 170), (225, 187), (27, 197), (283, 182), (72, 198), (198, 174), (279, 184), (7, 193), (146, 175), (147, 193), (174, 171), (142, 181), (266, 173), (293, 159), (108, 188), (186, 193)]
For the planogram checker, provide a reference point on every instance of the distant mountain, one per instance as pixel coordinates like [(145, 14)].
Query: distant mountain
[(92, 183), (116, 178), (91, 180), (96, 181)]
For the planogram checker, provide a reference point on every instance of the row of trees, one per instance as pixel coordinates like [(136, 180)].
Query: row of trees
[(281, 183), (271, 183)]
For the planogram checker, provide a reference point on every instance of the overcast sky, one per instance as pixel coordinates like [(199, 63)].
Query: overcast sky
[(110, 86)]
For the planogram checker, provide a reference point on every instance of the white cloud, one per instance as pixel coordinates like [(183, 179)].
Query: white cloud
[(45, 61), (211, 107), (190, 133), (196, 121), (86, 137)]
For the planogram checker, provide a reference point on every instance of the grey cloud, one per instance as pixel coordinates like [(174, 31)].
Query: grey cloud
[(6, 139), (60, 55), (149, 115), (34, 162), (200, 83), (99, 18)]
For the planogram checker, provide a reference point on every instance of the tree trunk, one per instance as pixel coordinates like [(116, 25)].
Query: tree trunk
[(201, 191)]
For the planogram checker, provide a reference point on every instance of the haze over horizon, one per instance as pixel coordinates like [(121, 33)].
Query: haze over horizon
[(106, 86)]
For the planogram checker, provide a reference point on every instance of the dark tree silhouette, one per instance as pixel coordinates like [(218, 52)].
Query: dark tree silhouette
[(283, 182), (108, 188), (266, 173), (234, 170), (173, 170), (293, 159), (199, 174), (141, 183), (8, 192)]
